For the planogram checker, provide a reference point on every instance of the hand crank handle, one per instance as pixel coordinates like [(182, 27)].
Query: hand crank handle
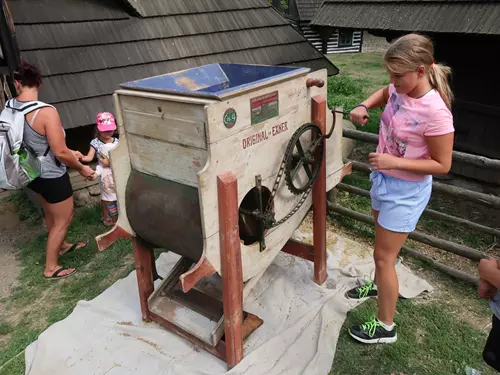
[(346, 113), (310, 82), (334, 111), (329, 134)]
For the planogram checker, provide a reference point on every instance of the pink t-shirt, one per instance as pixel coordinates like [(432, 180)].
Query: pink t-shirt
[(404, 124)]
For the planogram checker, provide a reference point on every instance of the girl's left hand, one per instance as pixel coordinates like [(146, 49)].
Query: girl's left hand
[(383, 161)]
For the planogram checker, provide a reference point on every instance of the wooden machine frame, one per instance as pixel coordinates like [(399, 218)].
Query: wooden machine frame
[(237, 324)]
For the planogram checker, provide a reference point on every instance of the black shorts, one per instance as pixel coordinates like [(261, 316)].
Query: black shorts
[(53, 190), (491, 353)]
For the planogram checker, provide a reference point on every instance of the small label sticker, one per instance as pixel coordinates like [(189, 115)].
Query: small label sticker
[(264, 107), (230, 118), (264, 135)]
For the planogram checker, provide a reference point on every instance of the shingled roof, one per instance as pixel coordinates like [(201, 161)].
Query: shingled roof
[(86, 48), (438, 16), (307, 8)]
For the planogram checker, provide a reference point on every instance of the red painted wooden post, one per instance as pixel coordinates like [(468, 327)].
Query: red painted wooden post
[(143, 267), (299, 249), (319, 197), (232, 273)]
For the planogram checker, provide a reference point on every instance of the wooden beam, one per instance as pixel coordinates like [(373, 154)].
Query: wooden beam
[(231, 267), (487, 200), (451, 247), (318, 109), (475, 160), (8, 40), (299, 249), (429, 212), (441, 267)]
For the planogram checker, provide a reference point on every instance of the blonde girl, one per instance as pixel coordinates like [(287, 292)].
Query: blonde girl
[(415, 142)]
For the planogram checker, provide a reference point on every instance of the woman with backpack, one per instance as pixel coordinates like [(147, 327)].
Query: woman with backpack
[(44, 134)]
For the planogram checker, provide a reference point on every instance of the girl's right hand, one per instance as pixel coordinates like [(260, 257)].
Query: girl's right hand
[(359, 115)]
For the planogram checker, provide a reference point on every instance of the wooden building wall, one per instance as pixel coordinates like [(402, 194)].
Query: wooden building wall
[(476, 109), (334, 42)]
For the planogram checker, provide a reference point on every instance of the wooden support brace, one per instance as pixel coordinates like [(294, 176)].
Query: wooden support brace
[(319, 197), (107, 239), (299, 249), (231, 267), (202, 269)]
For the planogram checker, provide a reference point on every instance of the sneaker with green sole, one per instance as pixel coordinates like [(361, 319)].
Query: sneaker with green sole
[(363, 291), (373, 332)]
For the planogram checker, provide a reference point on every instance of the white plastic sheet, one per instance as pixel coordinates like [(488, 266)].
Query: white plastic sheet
[(301, 327)]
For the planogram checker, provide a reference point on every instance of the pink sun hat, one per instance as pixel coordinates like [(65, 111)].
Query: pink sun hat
[(105, 122)]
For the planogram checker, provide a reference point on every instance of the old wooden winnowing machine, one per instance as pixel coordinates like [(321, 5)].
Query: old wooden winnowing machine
[(220, 164)]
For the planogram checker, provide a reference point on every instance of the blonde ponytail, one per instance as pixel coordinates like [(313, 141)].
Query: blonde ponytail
[(411, 51), (438, 76)]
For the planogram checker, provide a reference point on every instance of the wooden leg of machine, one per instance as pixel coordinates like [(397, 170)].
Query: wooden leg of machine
[(143, 266), (319, 198), (231, 266)]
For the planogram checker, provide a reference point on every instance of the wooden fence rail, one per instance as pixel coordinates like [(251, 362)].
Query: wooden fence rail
[(476, 160), (487, 200), (429, 212), (451, 247)]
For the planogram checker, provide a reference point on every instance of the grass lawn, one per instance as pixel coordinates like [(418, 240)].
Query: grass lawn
[(442, 335), (37, 303)]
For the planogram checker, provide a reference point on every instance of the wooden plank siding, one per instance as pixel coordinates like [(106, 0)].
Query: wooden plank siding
[(301, 12), (333, 43), (86, 50)]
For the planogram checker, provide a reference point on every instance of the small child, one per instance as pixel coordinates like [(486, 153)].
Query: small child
[(489, 286), (100, 147)]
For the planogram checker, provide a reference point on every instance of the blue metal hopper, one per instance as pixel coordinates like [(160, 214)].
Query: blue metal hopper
[(215, 81)]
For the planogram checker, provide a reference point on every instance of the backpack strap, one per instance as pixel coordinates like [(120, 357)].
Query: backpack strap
[(34, 106), (34, 117), (28, 106)]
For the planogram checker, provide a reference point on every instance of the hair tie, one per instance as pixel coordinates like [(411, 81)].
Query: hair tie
[(433, 66)]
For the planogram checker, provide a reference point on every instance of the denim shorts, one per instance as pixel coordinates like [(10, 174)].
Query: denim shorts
[(400, 203)]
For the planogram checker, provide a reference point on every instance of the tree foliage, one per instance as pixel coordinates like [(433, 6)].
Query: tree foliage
[(283, 4)]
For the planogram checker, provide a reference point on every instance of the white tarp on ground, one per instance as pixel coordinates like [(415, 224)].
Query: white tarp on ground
[(301, 327)]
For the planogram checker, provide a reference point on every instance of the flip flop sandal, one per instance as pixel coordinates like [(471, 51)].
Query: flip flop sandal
[(55, 275), (75, 246)]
